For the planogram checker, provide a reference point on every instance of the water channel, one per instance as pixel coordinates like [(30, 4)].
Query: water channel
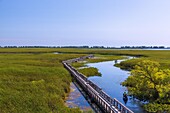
[(110, 82)]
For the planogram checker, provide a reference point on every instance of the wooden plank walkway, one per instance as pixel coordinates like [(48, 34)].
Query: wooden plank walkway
[(97, 95)]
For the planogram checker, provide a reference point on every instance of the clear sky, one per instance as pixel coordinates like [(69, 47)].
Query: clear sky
[(85, 22)]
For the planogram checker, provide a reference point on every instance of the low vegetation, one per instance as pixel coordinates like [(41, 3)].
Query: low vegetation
[(161, 56), (90, 71), (34, 83), (129, 64), (101, 58), (78, 64)]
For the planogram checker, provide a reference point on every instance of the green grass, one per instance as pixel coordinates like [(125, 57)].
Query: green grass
[(101, 58), (78, 64), (129, 64), (34, 83), (90, 71), (161, 56)]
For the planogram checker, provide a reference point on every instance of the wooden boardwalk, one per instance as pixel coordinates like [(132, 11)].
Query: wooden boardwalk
[(97, 95)]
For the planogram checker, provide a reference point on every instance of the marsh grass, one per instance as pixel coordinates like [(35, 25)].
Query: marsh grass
[(33, 80), (161, 56), (78, 64), (34, 83), (90, 71), (102, 58)]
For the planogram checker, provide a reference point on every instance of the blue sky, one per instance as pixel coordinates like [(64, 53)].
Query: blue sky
[(85, 22)]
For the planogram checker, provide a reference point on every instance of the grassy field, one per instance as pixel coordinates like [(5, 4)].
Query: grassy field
[(161, 56), (34, 80), (34, 83)]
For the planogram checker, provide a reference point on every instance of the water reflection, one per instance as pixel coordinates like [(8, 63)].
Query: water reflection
[(110, 82)]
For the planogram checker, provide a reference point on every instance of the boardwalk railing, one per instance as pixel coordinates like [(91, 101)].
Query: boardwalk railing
[(97, 95)]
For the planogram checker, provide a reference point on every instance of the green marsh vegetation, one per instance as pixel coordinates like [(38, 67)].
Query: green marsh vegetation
[(102, 58), (90, 71), (33, 80), (161, 56), (34, 83)]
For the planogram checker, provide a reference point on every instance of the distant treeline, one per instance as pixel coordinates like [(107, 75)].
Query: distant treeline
[(95, 47), (56, 47), (144, 47)]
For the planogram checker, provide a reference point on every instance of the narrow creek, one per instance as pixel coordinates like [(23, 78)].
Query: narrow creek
[(110, 82)]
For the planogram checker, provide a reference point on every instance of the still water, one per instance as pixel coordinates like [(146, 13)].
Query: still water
[(110, 82), (76, 99)]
